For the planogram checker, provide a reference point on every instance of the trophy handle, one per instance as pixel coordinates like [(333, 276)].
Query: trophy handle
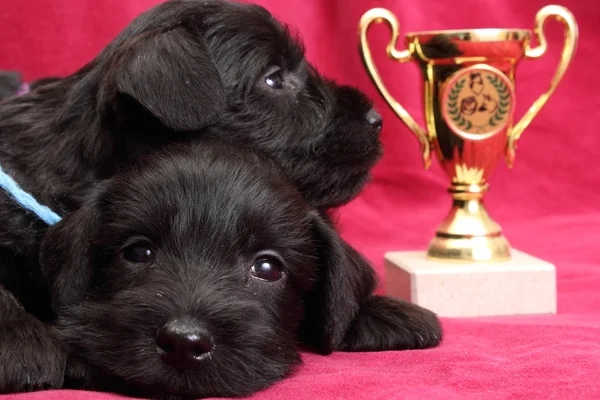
[(563, 15), (379, 15)]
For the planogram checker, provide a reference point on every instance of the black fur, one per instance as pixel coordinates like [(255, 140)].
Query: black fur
[(209, 219), (181, 72), (185, 71)]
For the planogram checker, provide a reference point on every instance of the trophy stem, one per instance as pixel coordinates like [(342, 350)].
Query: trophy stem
[(468, 233)]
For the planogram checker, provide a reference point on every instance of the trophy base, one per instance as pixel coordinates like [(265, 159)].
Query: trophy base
[(523, 285), (468, 233), (473, 249)]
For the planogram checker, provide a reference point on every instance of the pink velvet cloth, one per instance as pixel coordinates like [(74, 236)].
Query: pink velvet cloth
[(548, 204)]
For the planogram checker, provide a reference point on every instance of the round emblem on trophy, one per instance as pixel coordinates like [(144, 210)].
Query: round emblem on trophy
[(478, 102)]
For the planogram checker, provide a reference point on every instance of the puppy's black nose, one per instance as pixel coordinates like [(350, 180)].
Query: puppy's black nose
[(374, 119), (183, 343)]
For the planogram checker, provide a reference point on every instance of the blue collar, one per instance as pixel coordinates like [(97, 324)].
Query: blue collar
[(26, 200)]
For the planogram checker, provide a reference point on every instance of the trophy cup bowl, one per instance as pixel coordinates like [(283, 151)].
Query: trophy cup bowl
[(469, 103)]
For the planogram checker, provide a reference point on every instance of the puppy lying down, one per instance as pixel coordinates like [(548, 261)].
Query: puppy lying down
[(203, 276)]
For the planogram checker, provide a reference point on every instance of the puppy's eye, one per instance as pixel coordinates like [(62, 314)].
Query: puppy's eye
[(275, 79), (138, 252), (267, 269)]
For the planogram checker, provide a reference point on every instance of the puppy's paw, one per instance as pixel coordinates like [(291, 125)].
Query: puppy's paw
[(384, 323), (31, 358)]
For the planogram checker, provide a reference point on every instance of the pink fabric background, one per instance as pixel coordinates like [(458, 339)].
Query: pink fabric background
[(548, 205)]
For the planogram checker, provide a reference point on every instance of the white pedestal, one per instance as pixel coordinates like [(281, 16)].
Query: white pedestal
[(522, 285)]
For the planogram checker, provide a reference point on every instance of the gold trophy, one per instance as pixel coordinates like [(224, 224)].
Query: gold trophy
[(469, 96)]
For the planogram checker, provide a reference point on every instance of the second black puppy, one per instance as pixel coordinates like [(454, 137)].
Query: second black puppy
[(187, 70), (199, 276)]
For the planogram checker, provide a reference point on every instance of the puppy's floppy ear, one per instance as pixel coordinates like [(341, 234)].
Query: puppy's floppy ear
[(66, 256), (344, 281), (342, 313), (172, 75)]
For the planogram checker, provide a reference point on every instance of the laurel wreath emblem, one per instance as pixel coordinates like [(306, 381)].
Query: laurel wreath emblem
[(452, 106), (503, 101)]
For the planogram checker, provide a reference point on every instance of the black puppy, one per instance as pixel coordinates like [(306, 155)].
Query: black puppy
[(199, 276), (183, 70)]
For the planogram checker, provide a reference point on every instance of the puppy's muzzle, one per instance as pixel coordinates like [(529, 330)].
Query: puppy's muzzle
[(374, 119), (183, 343)]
